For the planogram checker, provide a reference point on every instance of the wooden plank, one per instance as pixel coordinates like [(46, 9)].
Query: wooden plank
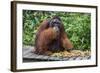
[(39, 57), (78, 58), (52, 58), (46, 57), (32, 56), (72, 58), (26, 51), (58, 59), (65, 59), (29, 55), (86, 57)]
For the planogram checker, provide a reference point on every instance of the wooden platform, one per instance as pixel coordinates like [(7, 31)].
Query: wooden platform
[(29, 56)]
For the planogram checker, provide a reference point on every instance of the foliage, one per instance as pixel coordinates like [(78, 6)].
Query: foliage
[(77, 26)]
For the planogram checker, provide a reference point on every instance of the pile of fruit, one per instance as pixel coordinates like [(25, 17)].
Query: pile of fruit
[(72, 53)]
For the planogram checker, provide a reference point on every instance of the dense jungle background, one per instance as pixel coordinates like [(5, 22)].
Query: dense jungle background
[(77, 26)]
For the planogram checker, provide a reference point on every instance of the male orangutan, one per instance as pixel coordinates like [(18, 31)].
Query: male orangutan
[(51, 37)]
